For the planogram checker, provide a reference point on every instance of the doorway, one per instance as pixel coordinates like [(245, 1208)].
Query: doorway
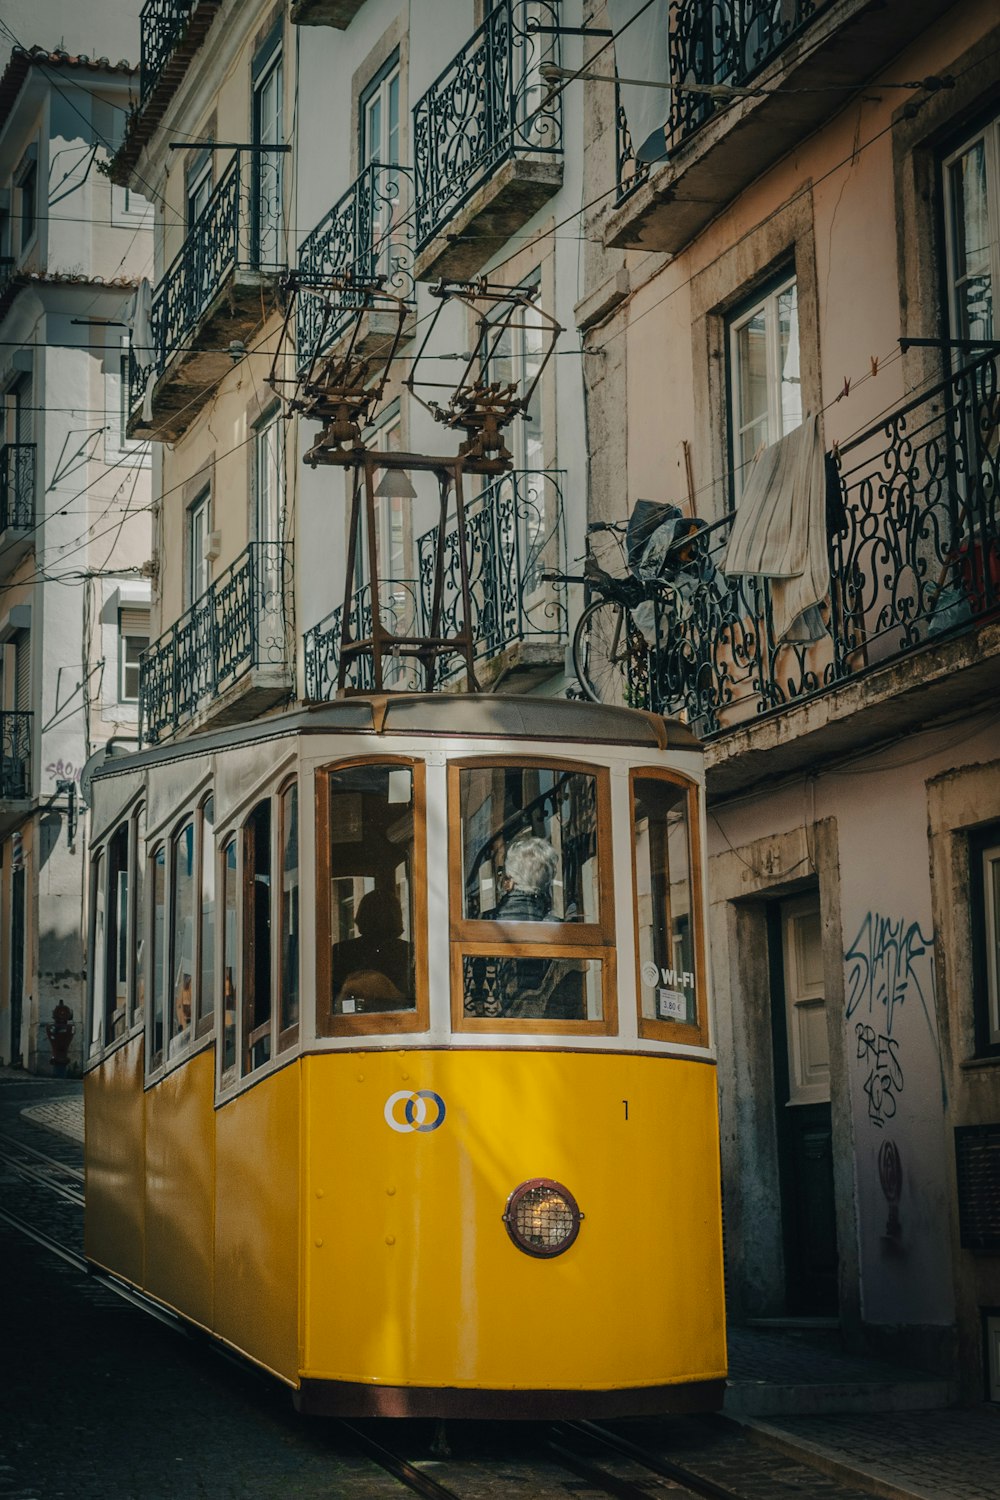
[(802, 1106)]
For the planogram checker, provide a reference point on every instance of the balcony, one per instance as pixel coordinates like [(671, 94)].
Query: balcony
[(171, 31), (15, 761), (17, 503), (368, 234), (514, 533), (227, 657), (487, 147), (912, 615), (221, 288), (818, 50), (336, 13)]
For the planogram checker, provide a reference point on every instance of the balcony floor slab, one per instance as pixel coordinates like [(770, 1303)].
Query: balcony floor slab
[(242, 306), (902, 696), (501, 206), (845, 43)]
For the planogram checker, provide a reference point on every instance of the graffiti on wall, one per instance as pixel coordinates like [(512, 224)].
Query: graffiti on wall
[(889, 962)]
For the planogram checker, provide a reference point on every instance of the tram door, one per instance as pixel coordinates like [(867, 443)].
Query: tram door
[(802, 1085)]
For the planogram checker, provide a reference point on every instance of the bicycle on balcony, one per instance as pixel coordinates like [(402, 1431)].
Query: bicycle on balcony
[(627, 617)]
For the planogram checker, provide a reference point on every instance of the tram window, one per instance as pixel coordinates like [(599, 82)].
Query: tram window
[(665, 892), (139, 917), (97, 948), (257, 934), (289, 964), (230, 960), (541, 987), (206, 971), (157, 954), (529, 844), (182, 936), (532, 914), (370, 818), (116, 963)]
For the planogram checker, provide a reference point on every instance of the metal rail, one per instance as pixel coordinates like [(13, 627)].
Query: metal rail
[(53, 1161), (666, 1468), (399, 1468)]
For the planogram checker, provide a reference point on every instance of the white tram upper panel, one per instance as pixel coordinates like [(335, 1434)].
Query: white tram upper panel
[(409, 870)]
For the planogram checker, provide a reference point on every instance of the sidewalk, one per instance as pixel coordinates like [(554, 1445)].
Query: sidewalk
[(885, 1429)]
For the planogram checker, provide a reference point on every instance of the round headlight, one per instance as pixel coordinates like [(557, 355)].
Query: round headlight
[(542, 1217)]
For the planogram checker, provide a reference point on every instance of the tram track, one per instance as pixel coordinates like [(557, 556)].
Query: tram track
[(26, 1168)]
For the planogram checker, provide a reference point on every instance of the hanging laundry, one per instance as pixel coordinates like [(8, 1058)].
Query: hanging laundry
[(642, 54), (140, 326), (780, 531)]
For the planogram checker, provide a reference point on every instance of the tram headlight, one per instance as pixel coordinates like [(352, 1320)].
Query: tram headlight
[(542, 1217)]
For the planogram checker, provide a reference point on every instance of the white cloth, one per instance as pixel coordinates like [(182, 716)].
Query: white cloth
[(779, 531), (642, 52), (140, 326)]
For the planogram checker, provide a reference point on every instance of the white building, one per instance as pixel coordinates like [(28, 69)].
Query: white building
[(74, 511)]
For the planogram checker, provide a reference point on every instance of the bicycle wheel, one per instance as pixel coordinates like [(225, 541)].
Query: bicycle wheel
[(609, 654)]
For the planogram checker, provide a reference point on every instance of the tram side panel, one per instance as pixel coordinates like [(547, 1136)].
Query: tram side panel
[(411, 1278), (180, 1188), (257, 1222), (114, 1222)]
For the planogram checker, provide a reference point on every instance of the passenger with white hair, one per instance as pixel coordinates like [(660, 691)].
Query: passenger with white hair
[(526, 882)]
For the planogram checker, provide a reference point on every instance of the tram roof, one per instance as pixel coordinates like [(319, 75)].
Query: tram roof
[(479, 716)]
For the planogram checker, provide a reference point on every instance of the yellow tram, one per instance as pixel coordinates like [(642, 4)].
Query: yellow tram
[(399, 1072)]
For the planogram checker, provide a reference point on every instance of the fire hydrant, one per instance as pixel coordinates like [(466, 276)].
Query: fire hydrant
[(60, 1034)]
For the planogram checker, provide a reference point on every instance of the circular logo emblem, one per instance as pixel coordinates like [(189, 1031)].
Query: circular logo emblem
[(411, 1110), (650, 974)]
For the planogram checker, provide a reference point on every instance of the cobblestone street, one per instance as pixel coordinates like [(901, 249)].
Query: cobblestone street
[(142, 1411)]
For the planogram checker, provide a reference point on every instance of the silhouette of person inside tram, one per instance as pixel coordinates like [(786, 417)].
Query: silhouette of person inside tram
[(373, 971)]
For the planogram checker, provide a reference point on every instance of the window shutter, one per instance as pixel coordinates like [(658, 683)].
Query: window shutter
[(134, 620), (22, 671)]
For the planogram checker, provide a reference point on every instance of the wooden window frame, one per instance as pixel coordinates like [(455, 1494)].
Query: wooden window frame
[(229, 1076), (202, 1015), (371, 1023), (477, 936), (982, 843), (286, 1038), (116, 1014), (99, 863), (155, 1060), (655, 1029), (250, 1037), (178, 1041), (137, 917)]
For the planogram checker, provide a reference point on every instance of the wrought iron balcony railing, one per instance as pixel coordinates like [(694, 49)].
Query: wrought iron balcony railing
[(162, 24), (238, 624), (368, 234), (914, 557), (710, 42), (489, 104), (240, 229), (17, 486), (514, 533), (15, 756)]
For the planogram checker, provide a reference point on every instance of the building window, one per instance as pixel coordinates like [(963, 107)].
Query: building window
[(257, 937), (972, 190), (199, 563), (269, 477), (266, 166), (198, 187), (378, 123), (133, 638), (27, 196), (765, 395), (984, 908)]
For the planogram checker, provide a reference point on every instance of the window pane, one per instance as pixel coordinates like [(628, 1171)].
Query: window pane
[(97, 982), (371, 889), (116, 975), (751, 354), (971, 237), (182, 933), (141, 917), (662, 841), (991, 894), (206, 982), (230, 968), (257, 936), (157, 953), (553, 989), (529, 844), (788, 357), (290, 908)]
